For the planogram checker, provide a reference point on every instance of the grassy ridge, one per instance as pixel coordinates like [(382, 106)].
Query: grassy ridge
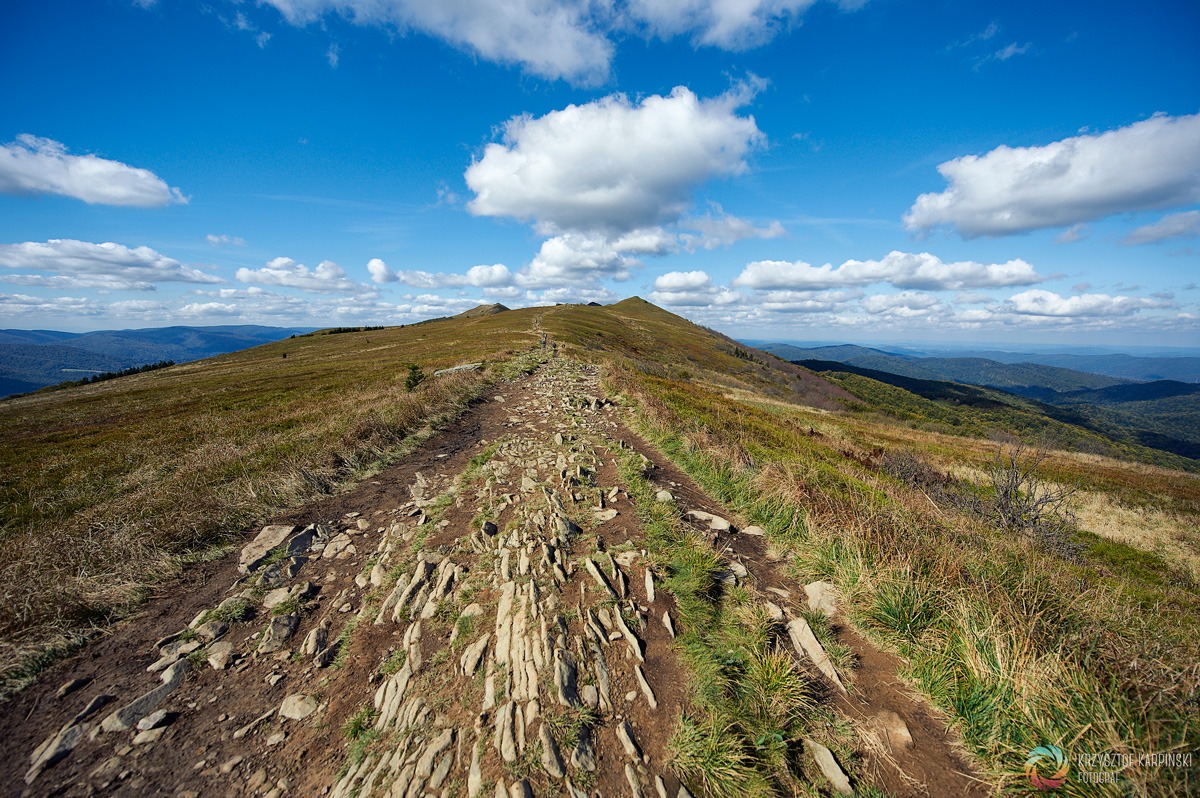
[(670, 346), (103, 487), (1020, 646), (985, 412)]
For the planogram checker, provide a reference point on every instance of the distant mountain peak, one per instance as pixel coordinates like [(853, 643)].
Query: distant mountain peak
[(483, 310)]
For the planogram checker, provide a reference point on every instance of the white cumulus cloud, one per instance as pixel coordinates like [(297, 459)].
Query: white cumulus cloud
[(1037, 302), (58, 307), (691, 289), (573, 258), (491, 276), (33, 165), (736, 25), (900, 269), (682, 281), (1150, 164), (67, 263), (200, 310), (611, 164), (903, 304), (1175, 225), (225, 241), (328, 277), (569, 39), (380, 273), (806, 301), (551, 39), (578, 294), (719, 229)]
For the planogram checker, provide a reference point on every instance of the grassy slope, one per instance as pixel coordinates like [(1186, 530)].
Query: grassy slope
[(983, 412), (635, 331), (1021, 646), (103, 486)]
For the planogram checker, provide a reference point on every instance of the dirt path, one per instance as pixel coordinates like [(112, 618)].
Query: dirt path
[(474, 619)]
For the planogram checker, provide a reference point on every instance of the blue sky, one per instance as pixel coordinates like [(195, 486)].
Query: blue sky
[(877, 171)]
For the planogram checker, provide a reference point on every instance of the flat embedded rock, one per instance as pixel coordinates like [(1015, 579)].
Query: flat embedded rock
[(829, 767), (894, 730), (124, 718), (219, 655), (259, 548), (154, 720), (822, 597), (298, 706), (278, 631), (806, 643)]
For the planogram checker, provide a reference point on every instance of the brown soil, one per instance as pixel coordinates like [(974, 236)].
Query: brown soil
[(198, 753)]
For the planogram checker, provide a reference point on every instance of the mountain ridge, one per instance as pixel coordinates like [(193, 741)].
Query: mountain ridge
[(33, 359)]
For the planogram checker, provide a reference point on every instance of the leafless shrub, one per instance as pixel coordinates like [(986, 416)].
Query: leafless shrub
[(910, 469), (939, 487), (1024, 503), (1020, 500)]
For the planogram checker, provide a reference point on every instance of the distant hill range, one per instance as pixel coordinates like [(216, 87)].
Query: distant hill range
[(1060, 371), (1162, 414), (1130, 367), (33, 359)]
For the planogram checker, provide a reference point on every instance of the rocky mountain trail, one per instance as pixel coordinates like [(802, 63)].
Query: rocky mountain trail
[(482, 619)]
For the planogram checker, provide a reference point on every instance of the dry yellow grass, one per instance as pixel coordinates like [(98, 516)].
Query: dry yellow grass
[(104, 487), (1174, 537), (1020, 644)]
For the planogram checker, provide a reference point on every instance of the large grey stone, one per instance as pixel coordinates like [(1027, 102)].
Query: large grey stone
[(210, 631), (473, 655), (219, 655), (456, 369), (436, 746), (475, 774), (276, 597), (124, 718), (635, 645), (54, 749), (645, 685), (822, 597), (565, 676), (260, 548), (551, 760), (159, 717), (599, 576), (298, 706), (277, 633), (635, 786), (805, 642), (584, 755), (829, 767), (628, 743)]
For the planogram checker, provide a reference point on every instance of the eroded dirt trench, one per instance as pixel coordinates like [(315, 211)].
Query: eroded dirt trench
[(481, 620)]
